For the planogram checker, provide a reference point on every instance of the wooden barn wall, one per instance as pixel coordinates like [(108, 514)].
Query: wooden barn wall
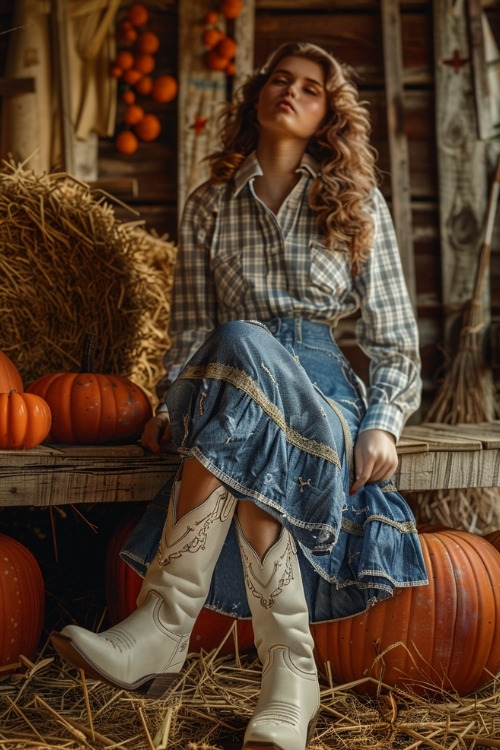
[(352, 30)]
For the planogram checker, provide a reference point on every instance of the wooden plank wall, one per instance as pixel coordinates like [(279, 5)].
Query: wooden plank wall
[(352, 30)]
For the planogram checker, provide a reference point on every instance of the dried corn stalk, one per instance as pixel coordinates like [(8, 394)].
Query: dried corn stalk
[(68, 266)]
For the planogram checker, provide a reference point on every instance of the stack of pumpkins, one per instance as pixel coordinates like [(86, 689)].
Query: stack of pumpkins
[(70, 407), (83, 407)]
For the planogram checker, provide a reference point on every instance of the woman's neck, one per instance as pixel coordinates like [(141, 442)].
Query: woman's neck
[(279, 163)]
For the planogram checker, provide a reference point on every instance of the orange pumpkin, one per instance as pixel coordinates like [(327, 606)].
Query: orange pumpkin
[(164, 89), (126, 142), (122, 587), (22, 597), (90, 407), (138, 14), (10, 378), (231, 8), (149, 128), (133, 114), (442, 636), (494, 538), (148, 42), (144, 63), (25, 420), (144, 86), (124, 60)]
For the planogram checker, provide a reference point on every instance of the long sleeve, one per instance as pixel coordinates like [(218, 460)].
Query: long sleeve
[(387, 331), (193, 314)]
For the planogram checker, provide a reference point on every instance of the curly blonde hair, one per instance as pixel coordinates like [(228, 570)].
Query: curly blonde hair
[(347, 175)]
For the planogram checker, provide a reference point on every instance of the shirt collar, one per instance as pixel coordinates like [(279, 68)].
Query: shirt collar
[(251, 169)]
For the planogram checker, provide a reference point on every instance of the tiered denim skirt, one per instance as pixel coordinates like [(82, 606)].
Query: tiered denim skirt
[(273, 411)]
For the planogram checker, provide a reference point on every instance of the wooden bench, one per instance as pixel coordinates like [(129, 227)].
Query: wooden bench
[(431, 457)]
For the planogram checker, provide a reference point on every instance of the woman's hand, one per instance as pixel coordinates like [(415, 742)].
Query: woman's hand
[(375, 457), (157, 433)]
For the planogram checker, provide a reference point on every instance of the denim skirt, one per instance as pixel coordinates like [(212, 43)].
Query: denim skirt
[(273, 411)]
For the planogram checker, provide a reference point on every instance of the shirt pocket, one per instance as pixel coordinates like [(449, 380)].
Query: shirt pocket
[(330, 272), (230, 284)]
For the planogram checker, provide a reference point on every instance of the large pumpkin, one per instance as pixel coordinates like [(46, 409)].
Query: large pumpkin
[(90, 407), (494, 538), (22, 599), (122, 588), (10, 378), (442, 636), (25, 420)]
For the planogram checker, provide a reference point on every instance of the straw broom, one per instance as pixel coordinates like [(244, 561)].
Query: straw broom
[(466, 395)]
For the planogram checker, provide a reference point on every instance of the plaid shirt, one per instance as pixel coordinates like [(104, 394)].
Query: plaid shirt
[(238, 260)]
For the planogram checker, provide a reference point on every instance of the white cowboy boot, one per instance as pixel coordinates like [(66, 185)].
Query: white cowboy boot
[(289, 698), (147, 650)]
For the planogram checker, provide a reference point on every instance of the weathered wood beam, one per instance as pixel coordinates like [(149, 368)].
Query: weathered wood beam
[(462, 163), (398, 142), (58, 22), (479, 70)]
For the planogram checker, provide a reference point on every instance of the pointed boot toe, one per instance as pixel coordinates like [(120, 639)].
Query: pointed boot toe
[(132, 656)]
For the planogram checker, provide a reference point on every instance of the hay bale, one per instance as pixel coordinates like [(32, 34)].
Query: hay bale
[(68, 266)]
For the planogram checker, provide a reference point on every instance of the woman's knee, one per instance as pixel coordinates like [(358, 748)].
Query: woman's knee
[(237, 330)]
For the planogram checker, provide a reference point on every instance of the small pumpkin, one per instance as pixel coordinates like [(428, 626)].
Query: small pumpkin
[(22, 598), (444, 636), (122, 585), (90, 407), (10, 378), (25, 420)]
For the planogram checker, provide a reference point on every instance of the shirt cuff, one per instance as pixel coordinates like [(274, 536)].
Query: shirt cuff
[(383, 417)]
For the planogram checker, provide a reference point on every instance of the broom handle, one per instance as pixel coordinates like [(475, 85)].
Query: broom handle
[(484, 257)]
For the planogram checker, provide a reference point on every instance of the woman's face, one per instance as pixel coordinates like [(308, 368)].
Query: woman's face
[(292, 102)]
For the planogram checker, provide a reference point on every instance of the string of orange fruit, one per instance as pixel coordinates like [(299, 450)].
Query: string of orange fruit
[(220, 47), (134, 67)]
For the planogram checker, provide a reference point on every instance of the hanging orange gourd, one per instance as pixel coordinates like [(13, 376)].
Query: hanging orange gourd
[(231, 8), (444, 636), (22, 600), (122, 588), (89, 407), (25, 420), (148, 128), (10, 378)]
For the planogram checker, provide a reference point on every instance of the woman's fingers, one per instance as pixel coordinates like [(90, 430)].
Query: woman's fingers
[(157, 433), (375, 458)]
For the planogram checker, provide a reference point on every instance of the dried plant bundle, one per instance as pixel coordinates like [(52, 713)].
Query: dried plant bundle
[(50, 706), (69, 266)]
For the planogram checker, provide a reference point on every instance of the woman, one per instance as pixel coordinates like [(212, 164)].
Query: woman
[(283, 509)]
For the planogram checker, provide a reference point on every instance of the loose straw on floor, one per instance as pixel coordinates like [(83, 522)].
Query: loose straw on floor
[(47, 706)]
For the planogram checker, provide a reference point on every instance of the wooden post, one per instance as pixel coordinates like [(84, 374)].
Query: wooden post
[(462, 164), (479, 71), (398, 144), (62, 71), (25, 131)]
